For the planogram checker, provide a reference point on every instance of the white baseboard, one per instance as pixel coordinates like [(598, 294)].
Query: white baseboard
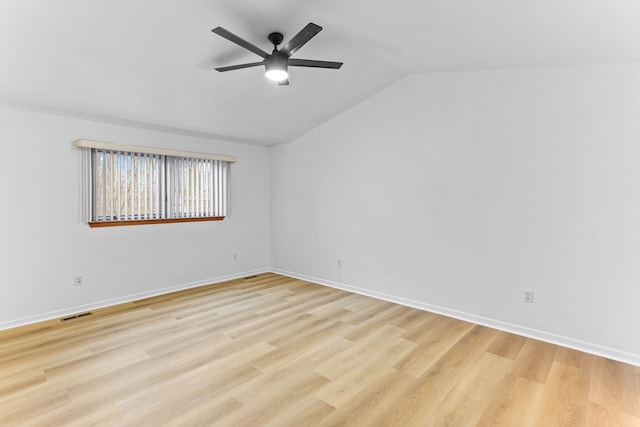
[(596, 349), (129, 298), (587, 347)]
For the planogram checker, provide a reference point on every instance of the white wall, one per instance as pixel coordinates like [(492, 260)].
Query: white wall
[(451, 191), (456, 191), (44, 244)]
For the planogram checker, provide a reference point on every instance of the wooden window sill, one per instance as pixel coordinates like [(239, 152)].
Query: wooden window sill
[(93, 224)]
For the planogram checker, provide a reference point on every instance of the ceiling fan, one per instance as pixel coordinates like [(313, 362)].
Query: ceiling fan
[(277, 63)]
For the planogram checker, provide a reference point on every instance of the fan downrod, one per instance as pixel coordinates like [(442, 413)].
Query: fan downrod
[(276, 39)]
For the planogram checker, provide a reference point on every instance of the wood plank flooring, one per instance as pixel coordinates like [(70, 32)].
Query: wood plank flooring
[(276, 351)]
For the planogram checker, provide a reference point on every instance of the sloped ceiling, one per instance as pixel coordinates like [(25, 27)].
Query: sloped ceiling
[(150, 62)]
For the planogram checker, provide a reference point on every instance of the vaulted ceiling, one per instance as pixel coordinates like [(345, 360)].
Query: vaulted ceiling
[(150, 62)]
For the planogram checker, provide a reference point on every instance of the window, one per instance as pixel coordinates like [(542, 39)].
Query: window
[(137, 185)]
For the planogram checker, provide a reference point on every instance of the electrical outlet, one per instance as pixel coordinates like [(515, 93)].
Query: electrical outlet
[(235, 255), (528, 296), (339, 263), (77, 281)]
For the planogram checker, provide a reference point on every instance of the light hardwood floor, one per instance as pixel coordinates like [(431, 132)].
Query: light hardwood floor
[(275, 351)]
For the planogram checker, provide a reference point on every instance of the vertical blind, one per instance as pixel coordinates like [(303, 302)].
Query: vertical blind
[(198, 187), (132, 185), (127, 186)]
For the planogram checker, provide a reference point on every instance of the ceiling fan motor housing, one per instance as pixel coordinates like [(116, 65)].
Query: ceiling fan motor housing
[(276, 60)]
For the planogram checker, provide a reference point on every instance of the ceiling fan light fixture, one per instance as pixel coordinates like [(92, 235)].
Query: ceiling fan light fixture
[(276, 75), (276, 68)]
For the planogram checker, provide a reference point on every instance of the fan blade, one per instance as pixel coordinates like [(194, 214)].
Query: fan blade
[(300, 39), (284, 82), (294, 62), (239, 67), (239, 41)]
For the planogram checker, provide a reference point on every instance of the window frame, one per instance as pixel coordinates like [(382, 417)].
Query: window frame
[(166, 164)]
